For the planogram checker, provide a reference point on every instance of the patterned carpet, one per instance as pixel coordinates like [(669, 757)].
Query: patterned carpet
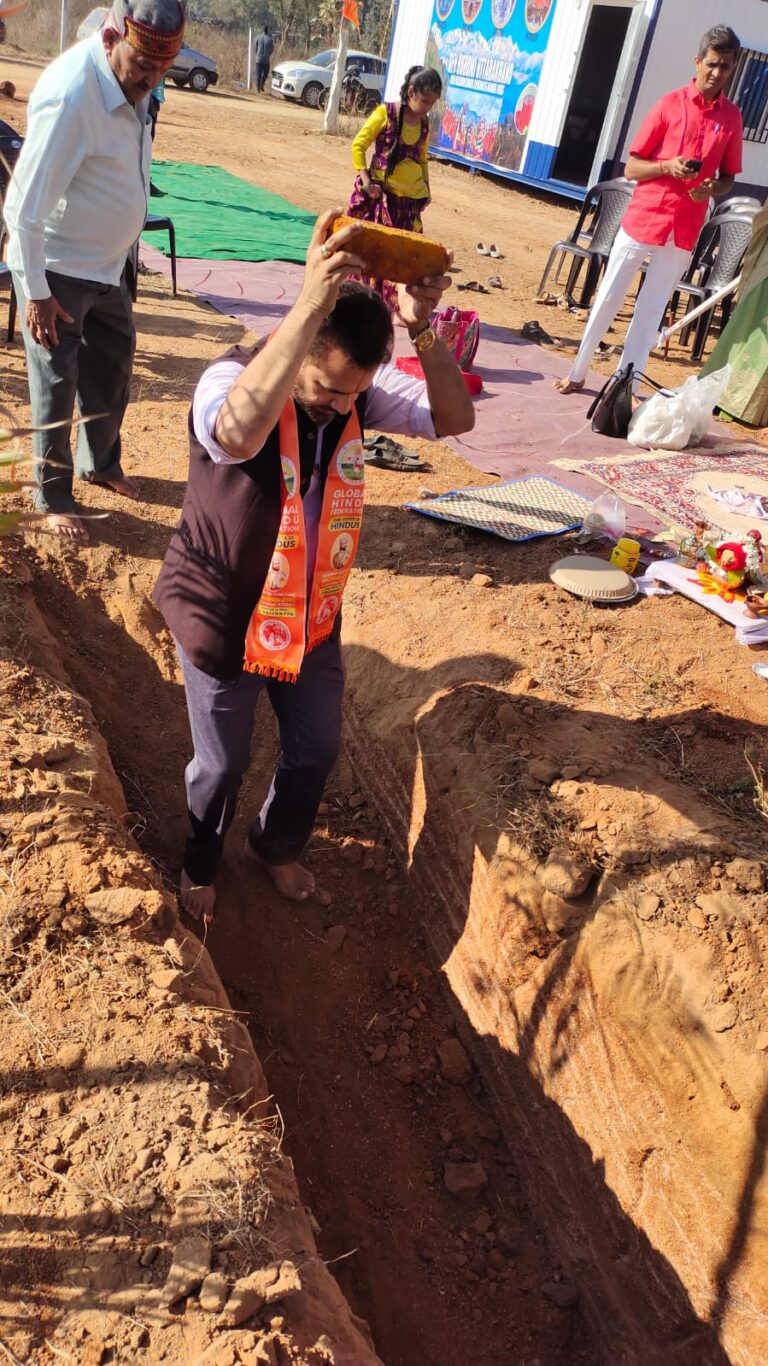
[(672, 484)]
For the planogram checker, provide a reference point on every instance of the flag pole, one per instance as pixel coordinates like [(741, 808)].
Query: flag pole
[(331, 116)]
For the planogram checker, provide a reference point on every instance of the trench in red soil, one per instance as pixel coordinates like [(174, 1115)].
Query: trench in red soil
[(442, 1279), (347, 1011)]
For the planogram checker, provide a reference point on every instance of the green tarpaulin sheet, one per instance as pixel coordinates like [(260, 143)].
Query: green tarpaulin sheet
[(221, 217)]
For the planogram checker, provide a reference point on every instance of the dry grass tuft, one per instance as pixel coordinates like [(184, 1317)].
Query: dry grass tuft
[(235, 1215), (761, 792)]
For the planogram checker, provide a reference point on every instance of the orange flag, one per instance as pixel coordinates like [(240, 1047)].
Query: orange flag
[(350, 12)]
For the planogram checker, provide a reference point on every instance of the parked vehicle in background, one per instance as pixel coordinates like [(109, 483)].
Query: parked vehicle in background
[(355, 99), (193, 69), (190, 67), (309, 81)]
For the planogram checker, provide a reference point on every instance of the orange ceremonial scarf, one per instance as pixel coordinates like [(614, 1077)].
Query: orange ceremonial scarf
[(281, 628)]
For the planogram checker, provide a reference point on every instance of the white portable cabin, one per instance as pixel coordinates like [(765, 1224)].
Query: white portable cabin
[(569, 81)]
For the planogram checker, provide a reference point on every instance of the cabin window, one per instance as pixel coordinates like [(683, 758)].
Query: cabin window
[(749, 90)]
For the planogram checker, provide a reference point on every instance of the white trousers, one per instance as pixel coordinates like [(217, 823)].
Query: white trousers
[(665, 268)]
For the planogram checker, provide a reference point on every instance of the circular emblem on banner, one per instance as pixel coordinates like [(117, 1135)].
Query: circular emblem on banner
[(350, 462), (537, 13), (289, 475), (524, 109), (274, 635), (502, 11), (470, 10), (444, 8)]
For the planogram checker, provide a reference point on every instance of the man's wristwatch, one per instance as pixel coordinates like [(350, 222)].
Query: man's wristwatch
[(424, 339)]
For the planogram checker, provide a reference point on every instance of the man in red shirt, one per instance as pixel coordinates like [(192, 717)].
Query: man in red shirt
[(687, 150)]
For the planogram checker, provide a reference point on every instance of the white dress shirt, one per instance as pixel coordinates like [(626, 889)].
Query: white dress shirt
[(395, 403), (78, 197)]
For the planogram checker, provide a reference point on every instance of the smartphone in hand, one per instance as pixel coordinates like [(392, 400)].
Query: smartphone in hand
[(694, 165)]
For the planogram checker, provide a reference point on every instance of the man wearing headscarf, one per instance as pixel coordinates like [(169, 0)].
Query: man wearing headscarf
[(75, 207)]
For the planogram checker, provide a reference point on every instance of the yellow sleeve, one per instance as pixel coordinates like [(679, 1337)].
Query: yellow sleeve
[(368, 134)]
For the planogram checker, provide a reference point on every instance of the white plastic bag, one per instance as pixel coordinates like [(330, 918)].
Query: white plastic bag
[(680, 418)]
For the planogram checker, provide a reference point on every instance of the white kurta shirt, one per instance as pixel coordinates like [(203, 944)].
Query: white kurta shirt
[(78, 197)]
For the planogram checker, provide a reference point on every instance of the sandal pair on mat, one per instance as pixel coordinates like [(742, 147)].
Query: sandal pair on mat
[(390, 455)]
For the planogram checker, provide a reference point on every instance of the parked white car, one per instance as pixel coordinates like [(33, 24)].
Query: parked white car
[(306, 81), (189, 68)]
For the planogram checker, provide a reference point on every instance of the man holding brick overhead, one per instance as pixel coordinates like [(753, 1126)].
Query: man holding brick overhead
[(687, 151), (253, 579), (74, 209)]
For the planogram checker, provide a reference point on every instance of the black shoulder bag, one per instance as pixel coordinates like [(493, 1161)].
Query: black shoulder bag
[(612, 410)]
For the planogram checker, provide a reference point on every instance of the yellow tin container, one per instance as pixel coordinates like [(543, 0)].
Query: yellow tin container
[(626, 554)]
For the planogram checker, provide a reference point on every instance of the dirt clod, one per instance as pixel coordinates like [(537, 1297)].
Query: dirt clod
[(70, 1057), (697, 918), (214, 1293), (58, 751), (647, 905), (114, 905), (748, 874), (722, 1016), (720, 906), (565, 875), (251, 1293), (562, 1294), (191, 1264), (455, 1064), (335, 936), (464, 1178)]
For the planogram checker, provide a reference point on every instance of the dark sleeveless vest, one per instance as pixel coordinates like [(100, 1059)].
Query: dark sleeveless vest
[(219, 555)]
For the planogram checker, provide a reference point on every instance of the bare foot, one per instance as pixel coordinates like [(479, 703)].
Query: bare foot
[(292, 880), (66, 525), (124, 486), (197, 901), (568, 386)]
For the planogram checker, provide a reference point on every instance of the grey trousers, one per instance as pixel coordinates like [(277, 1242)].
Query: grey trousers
[(221, 718), (91, 366)]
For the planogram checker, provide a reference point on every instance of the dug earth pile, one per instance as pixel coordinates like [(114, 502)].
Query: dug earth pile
[(147, 1212), (573, 792)]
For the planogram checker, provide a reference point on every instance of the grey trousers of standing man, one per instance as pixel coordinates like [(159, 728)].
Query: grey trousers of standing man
[(221, 721), (90, 367)]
